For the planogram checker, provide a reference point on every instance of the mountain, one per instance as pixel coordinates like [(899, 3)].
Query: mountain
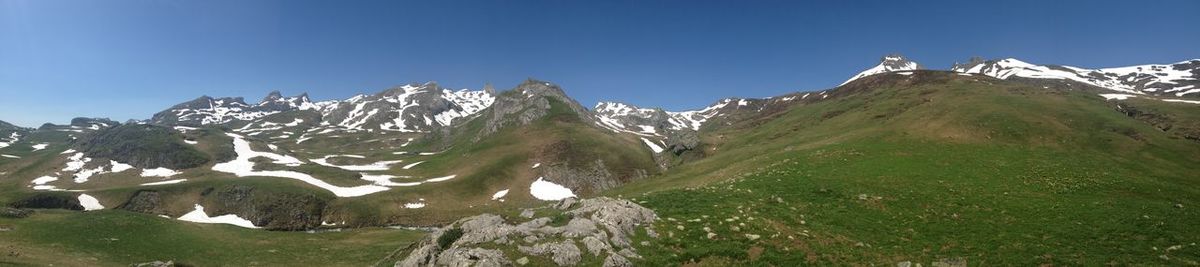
[(8, 126), (409, 108), (898, 164), (889, 63), (1181, 79), (208, 110)]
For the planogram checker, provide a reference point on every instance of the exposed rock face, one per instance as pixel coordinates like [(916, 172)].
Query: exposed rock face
[(602, 225), (48, 201), (266, 209), (528, 102), (145, 201)]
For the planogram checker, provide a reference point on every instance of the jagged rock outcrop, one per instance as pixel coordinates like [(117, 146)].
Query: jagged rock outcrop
[(604, 226), (528, 102)]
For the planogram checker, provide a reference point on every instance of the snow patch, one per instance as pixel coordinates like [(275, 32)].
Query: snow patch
[(159, 172), (546, 190), (243, 167), (409, 166), (652, 145), (1116, 96), (198, 216), (176, 181), (89, 203), (500, 194)]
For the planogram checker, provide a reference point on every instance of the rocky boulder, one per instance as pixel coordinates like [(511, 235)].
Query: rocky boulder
[(604, 227)]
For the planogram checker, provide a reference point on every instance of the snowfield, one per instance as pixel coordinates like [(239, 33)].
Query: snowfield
[(546, 190), (198, 216), (377, 166), (243, 167), (89, 203), (159, 172)]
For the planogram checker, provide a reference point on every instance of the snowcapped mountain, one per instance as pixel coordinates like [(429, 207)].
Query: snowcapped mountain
[(207, 110), (1178, 79), (408, 108), (889, 63)]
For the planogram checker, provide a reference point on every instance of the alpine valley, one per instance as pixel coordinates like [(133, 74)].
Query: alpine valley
[(992, 162)]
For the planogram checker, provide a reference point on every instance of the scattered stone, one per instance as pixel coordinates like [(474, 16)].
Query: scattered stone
[(155, 264), (1179, 205), (712, 235), (904, 264), (862, 196), (527, 213), (951, 262), (523, 261), (753, 237), (14, 213)]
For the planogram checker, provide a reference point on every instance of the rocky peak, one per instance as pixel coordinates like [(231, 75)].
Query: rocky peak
[(529, 101), (895, 62), (889, 63), (272, 96), (971, 63)]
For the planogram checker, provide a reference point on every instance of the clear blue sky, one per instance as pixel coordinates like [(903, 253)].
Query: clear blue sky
[(130, 59)]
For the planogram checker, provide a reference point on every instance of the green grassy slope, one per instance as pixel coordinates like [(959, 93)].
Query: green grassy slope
[(120, 238), (934, 166)]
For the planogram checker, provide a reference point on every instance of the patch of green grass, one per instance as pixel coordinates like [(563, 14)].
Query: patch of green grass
[(446, 239), (115, 238), (882, 203)]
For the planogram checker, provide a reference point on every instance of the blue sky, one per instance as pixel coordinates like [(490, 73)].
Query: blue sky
[(130, 59)]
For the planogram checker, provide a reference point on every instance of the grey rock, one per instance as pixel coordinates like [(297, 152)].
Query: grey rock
[(904, 264), (601, 224), (595, 245), (155, 264), (565, 203), (562, 253), (950, 262), (460, 257), (615, 260), (579, 227), (523, 261), (527, 213)]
